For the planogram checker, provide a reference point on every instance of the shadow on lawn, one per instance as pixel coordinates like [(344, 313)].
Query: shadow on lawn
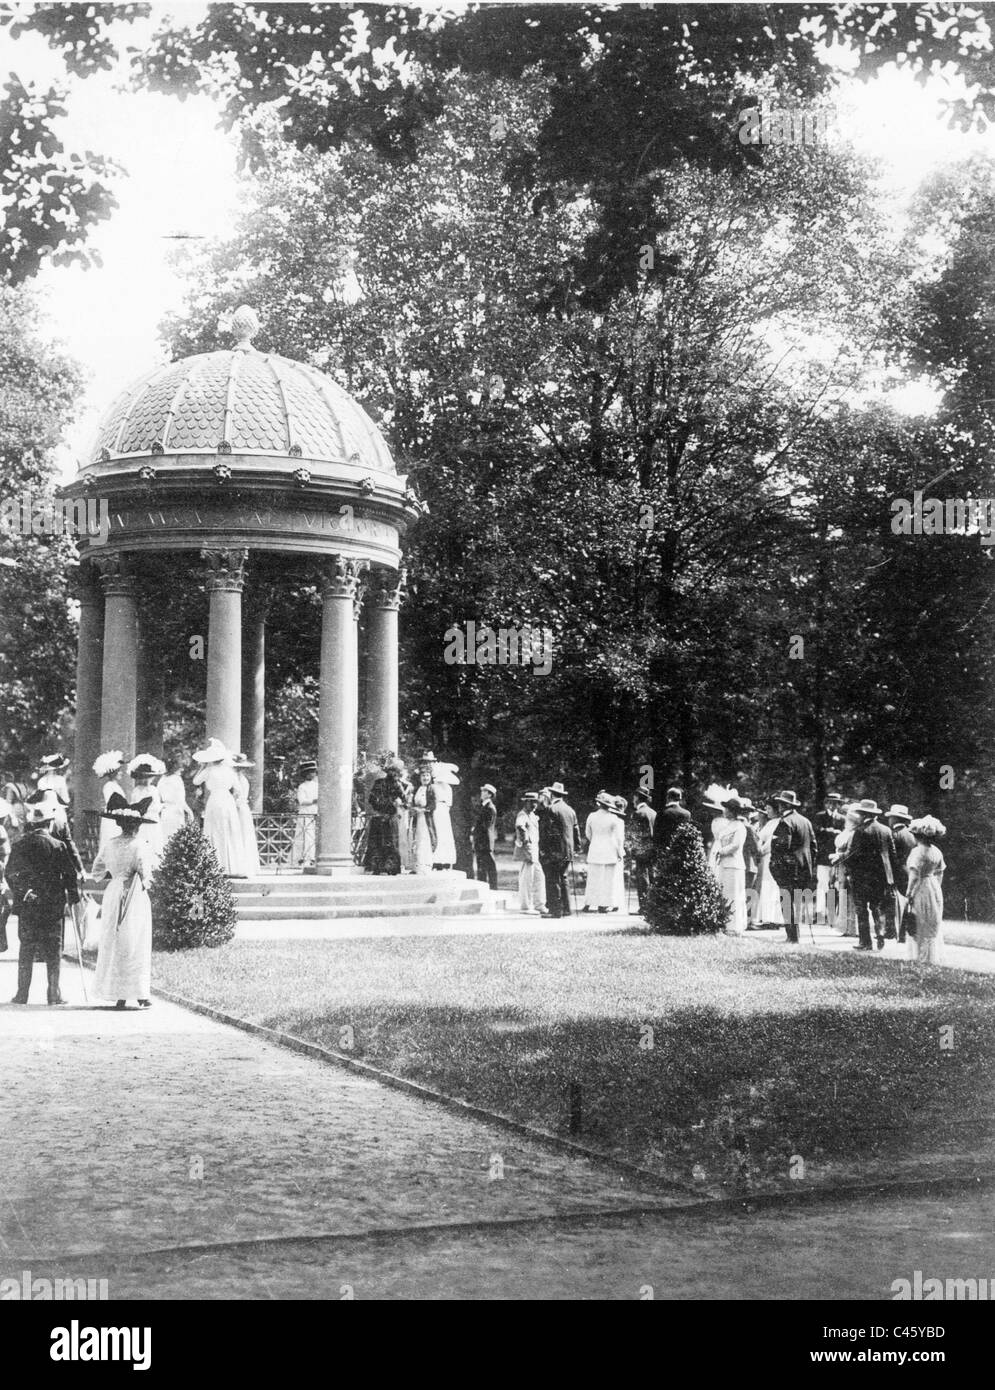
[(742, 1101)]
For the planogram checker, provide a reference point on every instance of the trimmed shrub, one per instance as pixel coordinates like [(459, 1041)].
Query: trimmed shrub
[(192, 901), (685, 898)]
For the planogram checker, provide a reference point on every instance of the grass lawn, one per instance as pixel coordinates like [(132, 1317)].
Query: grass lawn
[(714, 1061)]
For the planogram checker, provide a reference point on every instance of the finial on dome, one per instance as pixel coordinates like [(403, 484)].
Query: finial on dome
[(245, 325)]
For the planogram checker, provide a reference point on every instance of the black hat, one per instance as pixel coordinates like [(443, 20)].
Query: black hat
[(119, 810)]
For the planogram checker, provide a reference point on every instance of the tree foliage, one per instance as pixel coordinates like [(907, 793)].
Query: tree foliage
[(38, 389)]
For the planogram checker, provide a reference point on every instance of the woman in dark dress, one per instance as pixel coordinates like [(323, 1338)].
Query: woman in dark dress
[(387, 801)]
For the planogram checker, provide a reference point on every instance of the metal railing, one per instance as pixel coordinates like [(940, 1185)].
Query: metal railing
[(286, 839)]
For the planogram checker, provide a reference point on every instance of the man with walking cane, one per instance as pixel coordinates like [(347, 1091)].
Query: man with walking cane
[(42, 878), (559, 841)]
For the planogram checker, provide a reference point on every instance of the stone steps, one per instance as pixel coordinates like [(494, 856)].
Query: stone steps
[(314, 898)]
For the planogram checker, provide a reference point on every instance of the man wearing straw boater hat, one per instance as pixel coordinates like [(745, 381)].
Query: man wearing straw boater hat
[(42, 878), (792, 861), (870, 864)]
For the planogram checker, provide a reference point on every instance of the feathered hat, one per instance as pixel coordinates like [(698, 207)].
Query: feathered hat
[(446, 773), (108, 763), (716, 796)]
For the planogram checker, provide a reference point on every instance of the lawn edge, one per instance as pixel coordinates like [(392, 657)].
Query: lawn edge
[(684, 1198)]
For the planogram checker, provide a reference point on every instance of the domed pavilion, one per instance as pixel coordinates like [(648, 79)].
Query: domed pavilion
[(250, 461)]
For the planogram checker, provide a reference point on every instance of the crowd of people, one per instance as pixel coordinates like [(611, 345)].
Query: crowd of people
[(869, 873), (862, 870), (42, 872)]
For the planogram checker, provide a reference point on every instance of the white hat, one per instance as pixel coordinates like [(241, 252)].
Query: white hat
[(446, 774), (155, 766), (215, 752), (108, 763)]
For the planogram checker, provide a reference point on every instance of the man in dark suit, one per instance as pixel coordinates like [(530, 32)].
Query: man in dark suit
[(898, 819), (667, 821), (559, 841), (42, 878), (792, 862), (828, 824), (485, 836), (870, 864)]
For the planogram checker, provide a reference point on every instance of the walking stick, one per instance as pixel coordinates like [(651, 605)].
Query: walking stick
[(79, 952), (573, 884)]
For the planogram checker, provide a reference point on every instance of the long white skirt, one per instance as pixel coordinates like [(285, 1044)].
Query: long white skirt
[(769, 905), (124, 957), (445, 841), (421, 842), (250, 844), (601, 888), (733, 885), (222, 828)]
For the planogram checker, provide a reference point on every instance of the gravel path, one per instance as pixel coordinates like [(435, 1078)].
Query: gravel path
[(135, 1131)]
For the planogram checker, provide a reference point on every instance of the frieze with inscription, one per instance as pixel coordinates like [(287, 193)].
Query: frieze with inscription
[(301, 521)]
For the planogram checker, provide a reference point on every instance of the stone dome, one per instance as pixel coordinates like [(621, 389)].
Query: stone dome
[(240, 401)]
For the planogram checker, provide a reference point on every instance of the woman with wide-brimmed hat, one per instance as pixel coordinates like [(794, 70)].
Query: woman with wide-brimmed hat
[(124, 957), (729, 865), (444, 779), (108, 768), (51, 778), (145, 769), (925, 867), (605, 834), (221, 824)]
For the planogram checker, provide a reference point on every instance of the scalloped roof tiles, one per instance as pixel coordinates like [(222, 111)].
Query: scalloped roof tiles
[(253, 401)]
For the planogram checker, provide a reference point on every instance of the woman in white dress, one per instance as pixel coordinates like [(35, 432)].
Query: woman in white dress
[(445, 842), (52, 780), (926, 867), (221, 824), (307, 806), (243, 802), (840, 881), (107, 767), (144, 769), (619, 900), (605, 834), (176, 812), (768, 912), (729, 863), (124, 957), (422, 812)]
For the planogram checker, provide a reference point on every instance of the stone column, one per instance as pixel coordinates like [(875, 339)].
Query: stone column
[(225, 582), (337, 711), (120, 658), (151, 693), (254, 695), (89, 679), (382, 669)]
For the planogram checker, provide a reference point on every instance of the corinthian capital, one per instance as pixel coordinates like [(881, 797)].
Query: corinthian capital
[(341, 576), (115, 573), (389, 588), (226, 570)]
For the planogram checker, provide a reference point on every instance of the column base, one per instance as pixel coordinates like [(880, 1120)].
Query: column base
[(334, 868)]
